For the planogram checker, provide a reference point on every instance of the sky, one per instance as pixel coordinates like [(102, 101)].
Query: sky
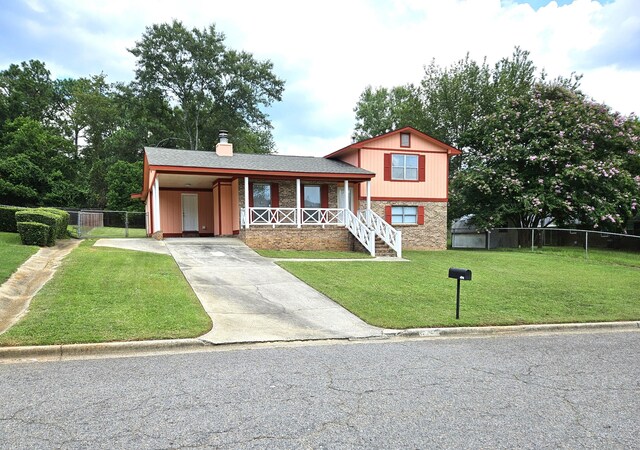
[(328, 51)]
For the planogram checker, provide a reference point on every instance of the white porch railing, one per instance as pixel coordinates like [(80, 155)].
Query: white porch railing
[(289, 216), (365, 226), (359, 229), (391, 236)]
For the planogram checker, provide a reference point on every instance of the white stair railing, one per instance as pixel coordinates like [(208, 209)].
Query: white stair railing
[(364, 234), (391, 236)]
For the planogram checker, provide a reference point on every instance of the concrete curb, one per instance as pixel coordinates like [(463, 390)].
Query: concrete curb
[(512, 329), (77, 351), (140, 348)]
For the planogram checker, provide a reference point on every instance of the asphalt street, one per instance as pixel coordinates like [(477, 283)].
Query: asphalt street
[(533, 391)]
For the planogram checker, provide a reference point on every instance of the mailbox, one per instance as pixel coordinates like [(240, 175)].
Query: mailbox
[(460, 274)]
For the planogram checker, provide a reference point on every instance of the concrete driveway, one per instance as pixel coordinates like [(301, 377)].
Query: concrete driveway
[(251, 299)]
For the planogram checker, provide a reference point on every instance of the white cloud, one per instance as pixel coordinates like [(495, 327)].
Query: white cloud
[(331, 50)]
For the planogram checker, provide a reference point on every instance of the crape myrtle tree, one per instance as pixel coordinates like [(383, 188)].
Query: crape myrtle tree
[(552, 154), (210, 86)]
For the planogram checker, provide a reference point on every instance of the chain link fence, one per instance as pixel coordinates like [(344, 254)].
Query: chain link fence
[(88, 223), (540, 239)]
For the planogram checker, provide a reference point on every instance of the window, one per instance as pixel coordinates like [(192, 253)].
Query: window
[(404, 167), (404, 214), (405, 140), (311, 200), (261, 195), (312, 196), (261, 199)]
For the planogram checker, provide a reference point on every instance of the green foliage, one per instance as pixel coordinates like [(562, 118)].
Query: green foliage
[(215, 87), (34, 233), (61, 232), (552, 154), (37, 215), (382, 110), (8, 218), (123, 179)]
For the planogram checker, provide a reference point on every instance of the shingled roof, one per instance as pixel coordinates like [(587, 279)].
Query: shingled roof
[(245, 161)]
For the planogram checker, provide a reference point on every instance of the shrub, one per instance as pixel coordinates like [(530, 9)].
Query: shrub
[(33, 233), (39, 216), (8, 218), (64, 221)]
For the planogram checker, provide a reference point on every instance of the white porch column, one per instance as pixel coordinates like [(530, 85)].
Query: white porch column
[(247, 214), (346, 194), (155, 199), (368, 194), (298, 212)]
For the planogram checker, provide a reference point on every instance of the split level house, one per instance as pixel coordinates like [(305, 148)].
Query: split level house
[(379, 195)]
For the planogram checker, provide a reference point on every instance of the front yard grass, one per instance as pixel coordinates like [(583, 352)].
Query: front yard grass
[(12, 254), (103, 294), (311, 254), (104, 232), (508, 288)]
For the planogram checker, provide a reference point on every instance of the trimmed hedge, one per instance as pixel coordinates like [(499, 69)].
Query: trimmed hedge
[(61, 232), (47, 218), (8, 218), (33, 233)]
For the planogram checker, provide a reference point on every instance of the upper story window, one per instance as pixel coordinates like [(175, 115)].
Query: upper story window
[(404, 167), (405, 140)]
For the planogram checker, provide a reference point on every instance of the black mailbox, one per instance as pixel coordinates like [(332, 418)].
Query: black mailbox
[(460, 274)]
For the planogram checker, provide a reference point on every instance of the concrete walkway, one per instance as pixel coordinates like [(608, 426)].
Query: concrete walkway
[(16, 293), (251, 299)]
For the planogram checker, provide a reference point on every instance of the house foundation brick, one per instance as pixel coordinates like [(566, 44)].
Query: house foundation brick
[(305, 238), (430, 236)]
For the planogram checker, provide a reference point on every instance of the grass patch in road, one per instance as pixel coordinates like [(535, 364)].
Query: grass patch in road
[(104, 294), (508, 288), (310, 254), (12, 254)]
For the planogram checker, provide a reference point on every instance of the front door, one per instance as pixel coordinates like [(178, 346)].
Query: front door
[(189, 212)]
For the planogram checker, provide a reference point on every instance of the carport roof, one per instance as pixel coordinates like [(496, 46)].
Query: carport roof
[(250, 162)]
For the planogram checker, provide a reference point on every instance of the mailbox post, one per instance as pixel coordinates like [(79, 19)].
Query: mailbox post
[(459, 274)]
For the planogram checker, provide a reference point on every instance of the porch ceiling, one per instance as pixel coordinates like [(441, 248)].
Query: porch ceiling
[(187, 181)]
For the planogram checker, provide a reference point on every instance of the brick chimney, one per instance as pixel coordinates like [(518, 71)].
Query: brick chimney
[(224, 147)]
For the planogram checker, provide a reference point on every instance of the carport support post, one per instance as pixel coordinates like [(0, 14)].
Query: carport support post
[(298, 214), (247, 214), (586, 244), (346, 197), (126, 224), (155, 199)]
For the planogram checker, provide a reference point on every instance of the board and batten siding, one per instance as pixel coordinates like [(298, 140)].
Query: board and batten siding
[(434, 186)]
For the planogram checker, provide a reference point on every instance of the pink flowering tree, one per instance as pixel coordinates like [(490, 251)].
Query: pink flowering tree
[(552, 156)]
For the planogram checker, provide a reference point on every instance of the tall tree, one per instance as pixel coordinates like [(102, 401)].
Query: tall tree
[(212, 87), (552, 154), (380, 110)]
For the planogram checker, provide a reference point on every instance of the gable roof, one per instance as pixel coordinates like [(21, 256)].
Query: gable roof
[(251, 162), (357, 145)]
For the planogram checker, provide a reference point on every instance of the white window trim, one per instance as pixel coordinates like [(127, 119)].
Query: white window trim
[(404, 167), (404, 215)]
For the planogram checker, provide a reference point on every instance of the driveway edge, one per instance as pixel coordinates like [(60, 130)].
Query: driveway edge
[(512, 329)]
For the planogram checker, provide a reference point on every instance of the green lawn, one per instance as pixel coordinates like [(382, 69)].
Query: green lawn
[(12, 254), (309, 254), (507, 288), (103, 294), (107, 232)]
